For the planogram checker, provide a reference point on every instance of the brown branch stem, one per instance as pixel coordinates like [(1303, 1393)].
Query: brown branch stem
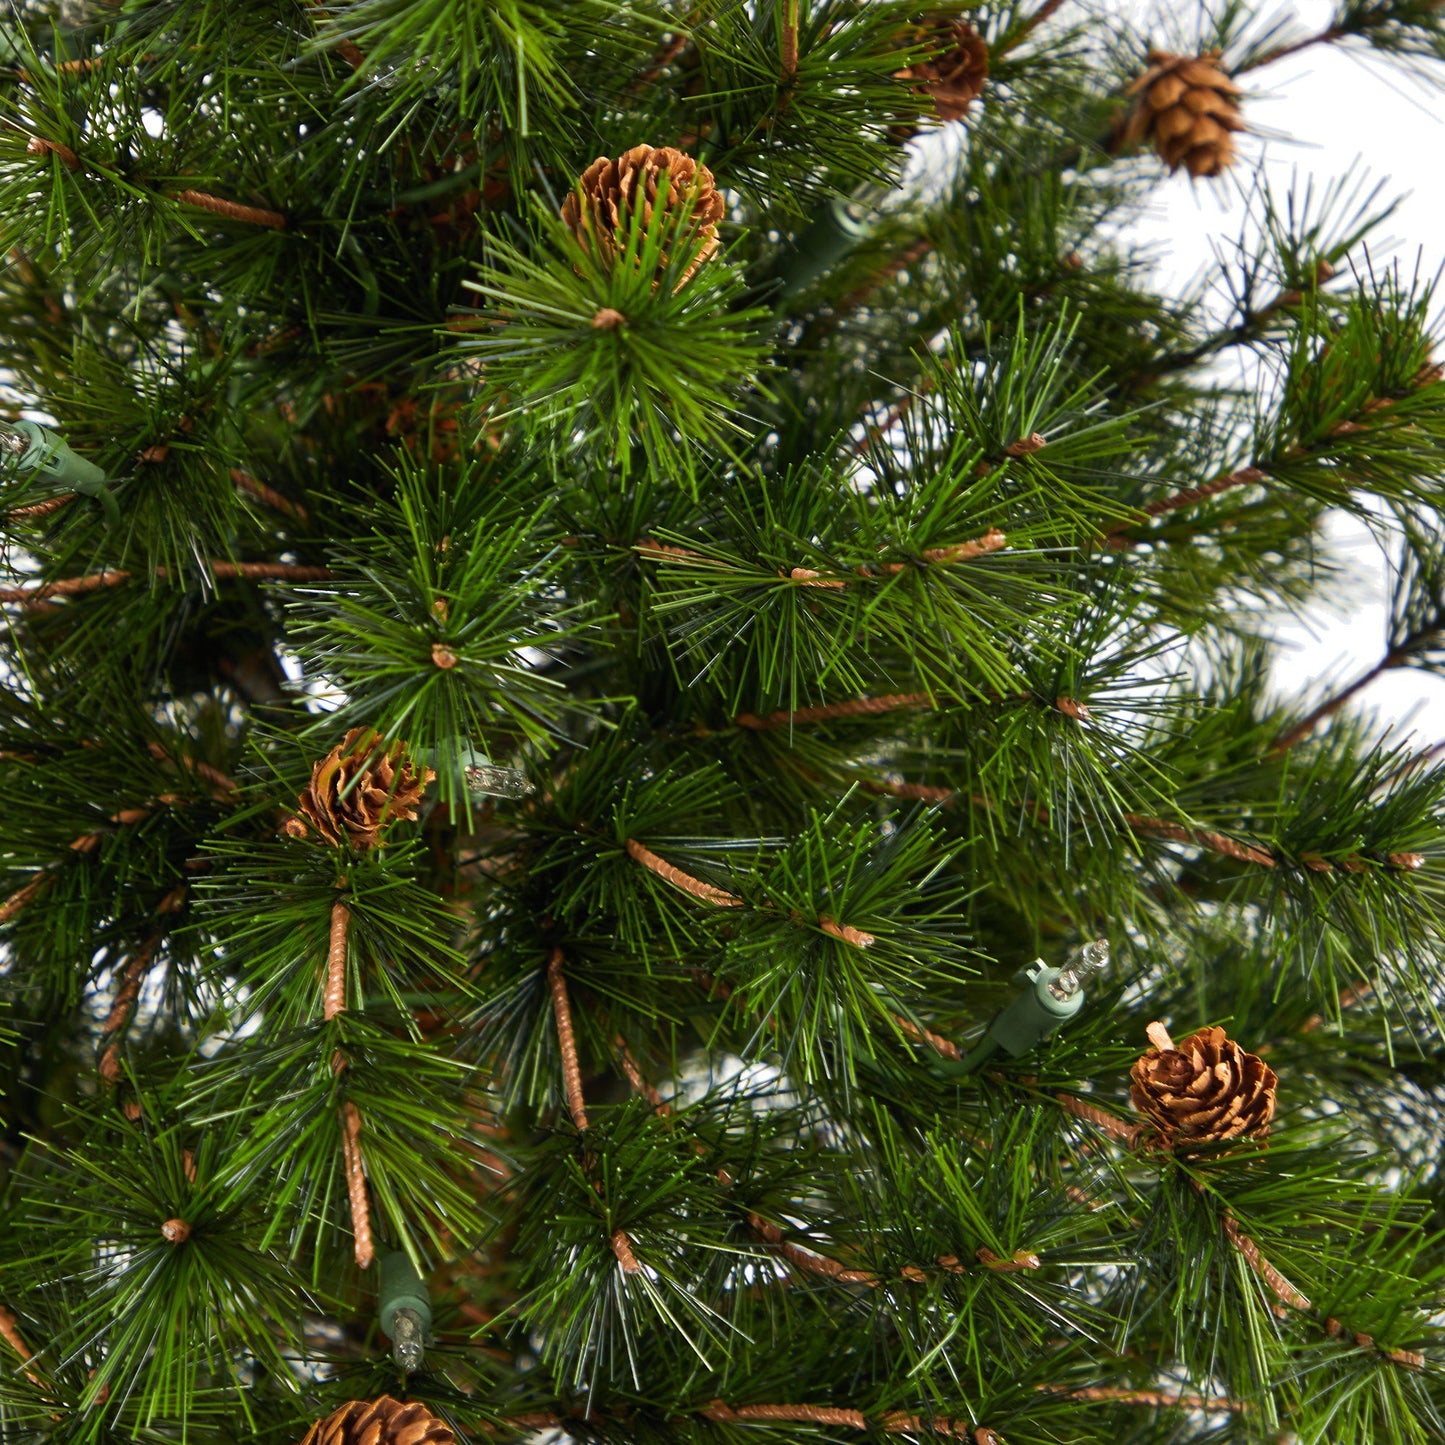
[(1279, 1286), (1327, 36), (1047, 9), (705, 892), (1150, 1399), (667, 52), (335, 996), (123, 1009), (233, 210), (10, 1333), (1293, 1298), (1331, 705), (1120, 1129), (268, 496), (622, 1248), (348, 50), (21, 896), (114, 577), (807, 1260), (363, 1247), (41, 509), (1186, 497), (567, 1041), (225, 787), (638, 1081), (832, 712), (788, 53), (895, 1422)]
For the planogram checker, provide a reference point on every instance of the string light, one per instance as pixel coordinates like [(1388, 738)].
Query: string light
[(38, 449), (1091, 959)]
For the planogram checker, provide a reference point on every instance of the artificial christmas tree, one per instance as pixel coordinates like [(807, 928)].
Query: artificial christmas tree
[(638, 655)]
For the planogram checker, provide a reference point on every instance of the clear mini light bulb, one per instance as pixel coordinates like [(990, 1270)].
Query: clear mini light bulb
[(1092, 958), (408, 1340)]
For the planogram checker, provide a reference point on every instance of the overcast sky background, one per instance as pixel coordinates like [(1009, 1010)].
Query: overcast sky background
[(1321, 112)]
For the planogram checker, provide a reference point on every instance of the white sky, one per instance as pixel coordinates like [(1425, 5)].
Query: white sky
[(1321, 112)]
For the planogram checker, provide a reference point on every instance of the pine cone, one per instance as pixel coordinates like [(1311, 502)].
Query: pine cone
[(1188, 108), (1204, 1091), (380, 1422), (355, 791), (609, 189), (953, 77)]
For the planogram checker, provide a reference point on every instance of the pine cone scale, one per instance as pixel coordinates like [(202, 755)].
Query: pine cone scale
[(1189, 108), (1208, 1090), (609, 191), (355, 791), (953, 78), (380, 1422)]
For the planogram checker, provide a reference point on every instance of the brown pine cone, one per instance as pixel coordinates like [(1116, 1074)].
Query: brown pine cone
[(356, 790), (1204, 1091), (380, 1422), (598, 216), (954, 76), (1188, 109)]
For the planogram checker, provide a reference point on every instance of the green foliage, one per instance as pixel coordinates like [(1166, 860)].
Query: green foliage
[(834, 650), (646, 347)]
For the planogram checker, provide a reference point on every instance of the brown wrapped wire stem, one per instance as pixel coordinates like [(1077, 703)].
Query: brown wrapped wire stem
[(364, 1247), (89, 841), (10, 1333), (993, 540), (232, 210), (123, 1009), (1115, 1128), (705, 892), (1148, 827), (831, 712), (1395, 657), (335, 997), (721, 898), (334, 1003), (217, 205), (896, 1422), (269, 496), (566, 1041), (115, 577), (618, 1240), (1245, 476)]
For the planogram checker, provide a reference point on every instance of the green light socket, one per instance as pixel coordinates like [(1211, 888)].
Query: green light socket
[(402, 1288)]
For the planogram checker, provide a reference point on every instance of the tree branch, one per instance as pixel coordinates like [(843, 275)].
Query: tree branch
[(1120, 1129), (269, 496), (123, 1008), (232, 210), (566, 1041), (894, 1423), (1327, 36), (705, 892), (335, 996), (832, 712), (94, 581), (363, 1246), (1395, 657), (10, 1333), (788, 52)]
